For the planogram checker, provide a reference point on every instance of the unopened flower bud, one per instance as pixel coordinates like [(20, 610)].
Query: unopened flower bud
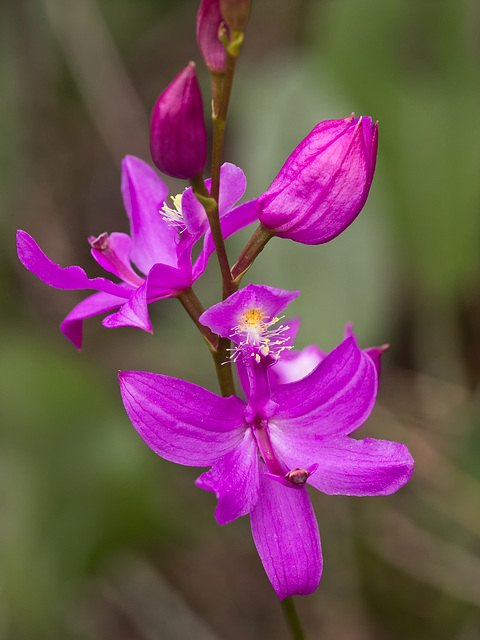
[(178, 138), (324, 184), (235, 13), (209, 23)]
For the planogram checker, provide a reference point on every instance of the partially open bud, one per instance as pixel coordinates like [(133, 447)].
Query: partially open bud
[(235, 13), (324, 184), (209, 23), (178, 138)]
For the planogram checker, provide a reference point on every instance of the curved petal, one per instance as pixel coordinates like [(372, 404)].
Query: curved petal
[(336, 398), (346, 466), (144, 193), (33, 258), (286, 535), (180, 421), (193, 213), (231, 222), (232, 187), (235, 480), (72, 326), (375, 353), (133, 313), (114, 256), (164, 281)]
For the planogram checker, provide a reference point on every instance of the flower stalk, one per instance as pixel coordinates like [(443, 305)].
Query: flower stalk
[(291, 616), (252, 249), (194, 308)]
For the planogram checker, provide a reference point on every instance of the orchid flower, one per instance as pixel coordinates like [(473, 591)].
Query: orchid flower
[(159, 245), (265, 451)]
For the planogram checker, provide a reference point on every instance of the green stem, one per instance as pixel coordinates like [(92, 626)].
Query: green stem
[(292, 619), (211, 209), (224, 368), (194, 308), (252, 249), (219, 118), (218, 346)]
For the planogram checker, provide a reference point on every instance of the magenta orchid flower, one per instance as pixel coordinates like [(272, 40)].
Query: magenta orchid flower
[(264, 452), (159, 245)]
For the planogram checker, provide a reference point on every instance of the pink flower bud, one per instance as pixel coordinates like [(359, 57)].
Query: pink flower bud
[(209, 22), (235, 13), (324, 184), (178, 138)]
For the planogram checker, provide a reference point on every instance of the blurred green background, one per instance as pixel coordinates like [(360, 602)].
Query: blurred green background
[(99, 538)]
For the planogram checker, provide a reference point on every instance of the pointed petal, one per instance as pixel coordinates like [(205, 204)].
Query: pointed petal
[(231, 222), (286, 535), (144, 193), (375, 353), (72, 326), (346, 466), (33, 258), (336, 398), (234, 479), (133, 313), (180, 421)]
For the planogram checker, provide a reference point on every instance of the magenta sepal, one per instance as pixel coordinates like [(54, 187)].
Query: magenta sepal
[(324, 184), (299, 432)]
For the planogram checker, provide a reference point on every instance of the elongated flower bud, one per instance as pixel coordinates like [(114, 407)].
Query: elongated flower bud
[(235, 13), (178, 138), (209, 21), (324, 184)]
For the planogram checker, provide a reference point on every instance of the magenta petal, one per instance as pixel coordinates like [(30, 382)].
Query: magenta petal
[(72, 326), (144, 193), (115, 258), (336, 398), (223, 317), (346, 466), (232, 187), (133, 313), (166, 282), (180, 421), (33, 258), (286, 535), (234, 479)]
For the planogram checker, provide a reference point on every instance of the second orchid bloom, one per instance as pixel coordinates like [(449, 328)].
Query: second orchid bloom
[(265, 450)]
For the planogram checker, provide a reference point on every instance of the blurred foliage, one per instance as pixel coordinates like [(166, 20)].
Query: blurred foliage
[(79, 492)]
